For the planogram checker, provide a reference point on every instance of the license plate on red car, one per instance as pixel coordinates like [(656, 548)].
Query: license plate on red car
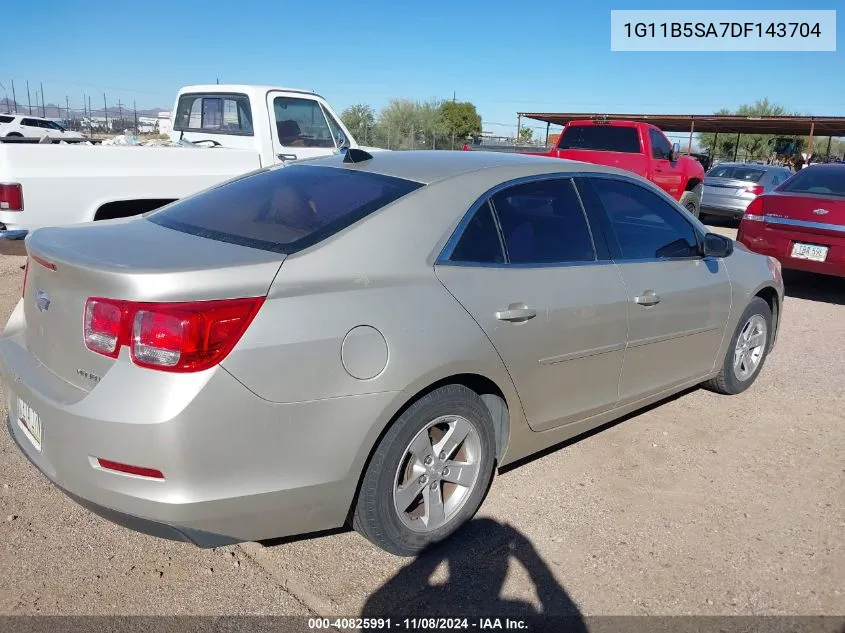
[(812, 252)]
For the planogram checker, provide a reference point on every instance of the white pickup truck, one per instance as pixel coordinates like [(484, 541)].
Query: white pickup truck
[(224, 131)]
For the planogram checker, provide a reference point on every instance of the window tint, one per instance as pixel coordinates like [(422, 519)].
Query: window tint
[(283, 210), (29, 122), (214, 113), (737, 172), (828, 181), (543, 223), (609, 138), (480, 243), (301, 123), (660, 147), (6, 119), (646, 226)]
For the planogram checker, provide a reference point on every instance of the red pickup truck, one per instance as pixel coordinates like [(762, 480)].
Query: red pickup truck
[(638, 147)]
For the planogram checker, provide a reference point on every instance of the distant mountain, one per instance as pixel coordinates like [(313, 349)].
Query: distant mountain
[(53, 111)]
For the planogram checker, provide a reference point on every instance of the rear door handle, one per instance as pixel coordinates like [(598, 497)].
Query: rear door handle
[(648, 298), (286, 156), (516, 313)]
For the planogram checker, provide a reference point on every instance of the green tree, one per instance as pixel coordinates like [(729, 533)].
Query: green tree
[(751, 145), (460, 120), (360, 119), (526, 135)]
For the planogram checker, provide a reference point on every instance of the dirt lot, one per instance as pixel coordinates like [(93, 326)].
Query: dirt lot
[(701, 505)]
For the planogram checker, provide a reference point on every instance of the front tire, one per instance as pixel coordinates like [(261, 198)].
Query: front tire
[(747, 351), (429, 474), (692, 203)]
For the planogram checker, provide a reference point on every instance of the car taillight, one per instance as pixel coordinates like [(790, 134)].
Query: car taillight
[(178, 337), (755, 189), (11, 197), (754, 212)]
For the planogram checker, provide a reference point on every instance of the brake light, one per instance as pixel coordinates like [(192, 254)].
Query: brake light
[(755, 189), (11, 197), (466, 148), (754, 212), (177, 337)]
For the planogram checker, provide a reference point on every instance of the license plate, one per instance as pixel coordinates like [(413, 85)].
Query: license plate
[(30, 423), (809, 251)]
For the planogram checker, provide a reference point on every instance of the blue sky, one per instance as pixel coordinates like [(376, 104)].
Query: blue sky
[(504, 57)]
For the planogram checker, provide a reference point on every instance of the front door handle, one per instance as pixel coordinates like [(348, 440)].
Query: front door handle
[(286, 156), (648, 298), (516, 313)]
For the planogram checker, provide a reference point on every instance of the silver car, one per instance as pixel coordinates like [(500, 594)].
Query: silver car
[(730, 187), (364, 339)]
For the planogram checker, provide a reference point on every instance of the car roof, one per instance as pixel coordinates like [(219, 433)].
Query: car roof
[(427, 166), (754, 165)]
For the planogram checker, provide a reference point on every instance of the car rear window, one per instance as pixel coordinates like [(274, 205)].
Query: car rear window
[(6, 119), (605, 138), (826, 181), (283, 209), (737, 172)]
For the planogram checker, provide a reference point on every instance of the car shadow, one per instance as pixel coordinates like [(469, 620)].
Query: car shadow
[(812, 287), (720, 221), (478, 559)]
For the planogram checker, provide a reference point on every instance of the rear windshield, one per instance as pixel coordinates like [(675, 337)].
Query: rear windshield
[(605, 138), (827, 181), (737, 172), (284, 209)]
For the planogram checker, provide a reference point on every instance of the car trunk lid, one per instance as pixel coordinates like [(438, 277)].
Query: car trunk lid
[(811, 213), (132, 260)]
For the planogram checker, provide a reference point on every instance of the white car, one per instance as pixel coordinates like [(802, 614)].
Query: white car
[(26, 126), (222, 131)]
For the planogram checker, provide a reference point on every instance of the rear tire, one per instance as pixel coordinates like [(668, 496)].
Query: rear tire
[(747, 351), (413, 468), (14, 135)]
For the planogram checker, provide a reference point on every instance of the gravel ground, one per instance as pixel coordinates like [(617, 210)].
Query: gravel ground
[(704, 504)]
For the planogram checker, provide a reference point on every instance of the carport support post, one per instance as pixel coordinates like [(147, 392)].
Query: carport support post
[(715, 146), (547, 137), (691, 130), (829, 140), (518, 128), (736, 146), (812, 130)]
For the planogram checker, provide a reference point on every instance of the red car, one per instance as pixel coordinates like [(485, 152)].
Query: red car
[(802, 222)]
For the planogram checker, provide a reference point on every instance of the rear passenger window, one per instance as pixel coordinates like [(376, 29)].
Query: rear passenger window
[(6, 119), (646, 226), (480, 243), (543, 223)]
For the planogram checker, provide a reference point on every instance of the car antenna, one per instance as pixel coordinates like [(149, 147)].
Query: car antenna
[(355, 155)]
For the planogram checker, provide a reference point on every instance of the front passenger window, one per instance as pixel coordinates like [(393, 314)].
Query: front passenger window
[(646, 226)]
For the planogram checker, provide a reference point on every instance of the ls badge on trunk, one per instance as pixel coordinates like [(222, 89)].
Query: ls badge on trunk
[(42, 300)]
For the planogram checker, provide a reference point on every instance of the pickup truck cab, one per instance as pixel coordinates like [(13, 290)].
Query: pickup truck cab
[(219, 132), (641, 148)]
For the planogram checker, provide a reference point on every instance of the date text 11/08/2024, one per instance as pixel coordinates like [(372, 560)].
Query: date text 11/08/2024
[(417, 624), (723, 29)]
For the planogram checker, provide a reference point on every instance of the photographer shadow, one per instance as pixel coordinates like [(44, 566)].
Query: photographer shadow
[(478, 559)]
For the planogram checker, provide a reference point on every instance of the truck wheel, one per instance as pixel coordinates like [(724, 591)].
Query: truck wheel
[(14, 135), (691, 201), (429, 474)]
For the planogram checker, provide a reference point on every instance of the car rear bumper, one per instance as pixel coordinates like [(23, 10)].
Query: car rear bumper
[(733, 209), (777, 241), (236, 467)]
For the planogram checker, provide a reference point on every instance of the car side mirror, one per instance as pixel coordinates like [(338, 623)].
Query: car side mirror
[(716, 245)]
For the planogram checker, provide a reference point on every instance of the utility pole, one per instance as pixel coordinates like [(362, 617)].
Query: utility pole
[(43, 111), (67, 109), (106, 112), (14, 96), (120, 112), (90, 118), (28, 99), (135, 109)]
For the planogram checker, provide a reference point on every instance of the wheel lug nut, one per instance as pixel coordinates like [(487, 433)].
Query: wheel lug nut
[(433, 485), (423, 479), (428, 461), (445, 472), (442, 455)]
